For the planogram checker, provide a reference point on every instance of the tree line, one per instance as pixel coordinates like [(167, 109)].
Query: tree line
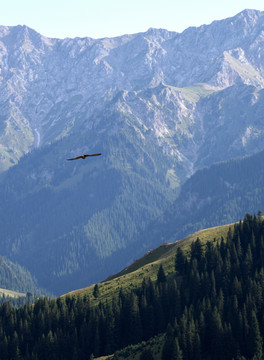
[(210, 307)]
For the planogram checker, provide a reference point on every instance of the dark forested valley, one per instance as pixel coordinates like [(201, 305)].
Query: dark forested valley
[(209, 307)]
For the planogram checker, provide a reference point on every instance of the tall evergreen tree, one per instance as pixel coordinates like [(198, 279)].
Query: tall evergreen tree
[(255, 342), (161, 278), (96, 291), (180, 261)]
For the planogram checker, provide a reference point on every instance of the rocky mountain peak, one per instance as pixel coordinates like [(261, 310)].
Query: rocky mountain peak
[(39, 76)]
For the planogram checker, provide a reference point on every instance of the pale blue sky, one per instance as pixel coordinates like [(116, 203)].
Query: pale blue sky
[(108, 18)]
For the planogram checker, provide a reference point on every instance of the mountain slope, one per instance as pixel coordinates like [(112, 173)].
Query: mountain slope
[(14, 278), (147, 266), (80, 215), (198, 309), (50, 87), (219, 194), (158, 105)]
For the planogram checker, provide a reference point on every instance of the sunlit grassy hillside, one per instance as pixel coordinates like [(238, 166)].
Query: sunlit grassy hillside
[(147, 266)]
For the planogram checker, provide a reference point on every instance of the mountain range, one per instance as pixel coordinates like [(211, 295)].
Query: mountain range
[(160, 106)]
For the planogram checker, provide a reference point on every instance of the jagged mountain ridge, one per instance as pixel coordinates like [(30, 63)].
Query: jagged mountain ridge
[(158, 105), (51, 86)]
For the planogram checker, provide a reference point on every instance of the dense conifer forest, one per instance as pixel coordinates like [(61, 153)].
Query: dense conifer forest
[(211, 307)]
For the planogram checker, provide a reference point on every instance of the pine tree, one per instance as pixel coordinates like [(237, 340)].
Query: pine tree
[(216, 329), (247, 262), (161, 278), (196, 250), (132, 320), (4, 348), (183, 329), (255, 341), (238, 247), (170, 347), (212, 283), (220, 301), (180, 261), (176, 352), (96, 291), (196, 347)]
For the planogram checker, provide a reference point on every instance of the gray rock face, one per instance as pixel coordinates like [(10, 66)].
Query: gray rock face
[(159, 105), (50, 87)]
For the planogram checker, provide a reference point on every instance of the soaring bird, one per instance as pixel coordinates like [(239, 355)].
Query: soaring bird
[(84, 156)]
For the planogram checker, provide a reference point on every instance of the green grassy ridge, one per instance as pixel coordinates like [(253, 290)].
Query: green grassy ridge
[(150, 257), (166, 250), (148, 265)]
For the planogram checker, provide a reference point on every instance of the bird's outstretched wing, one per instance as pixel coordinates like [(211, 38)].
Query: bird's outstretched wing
[(84, 156), (78, 157), (93, 155)]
